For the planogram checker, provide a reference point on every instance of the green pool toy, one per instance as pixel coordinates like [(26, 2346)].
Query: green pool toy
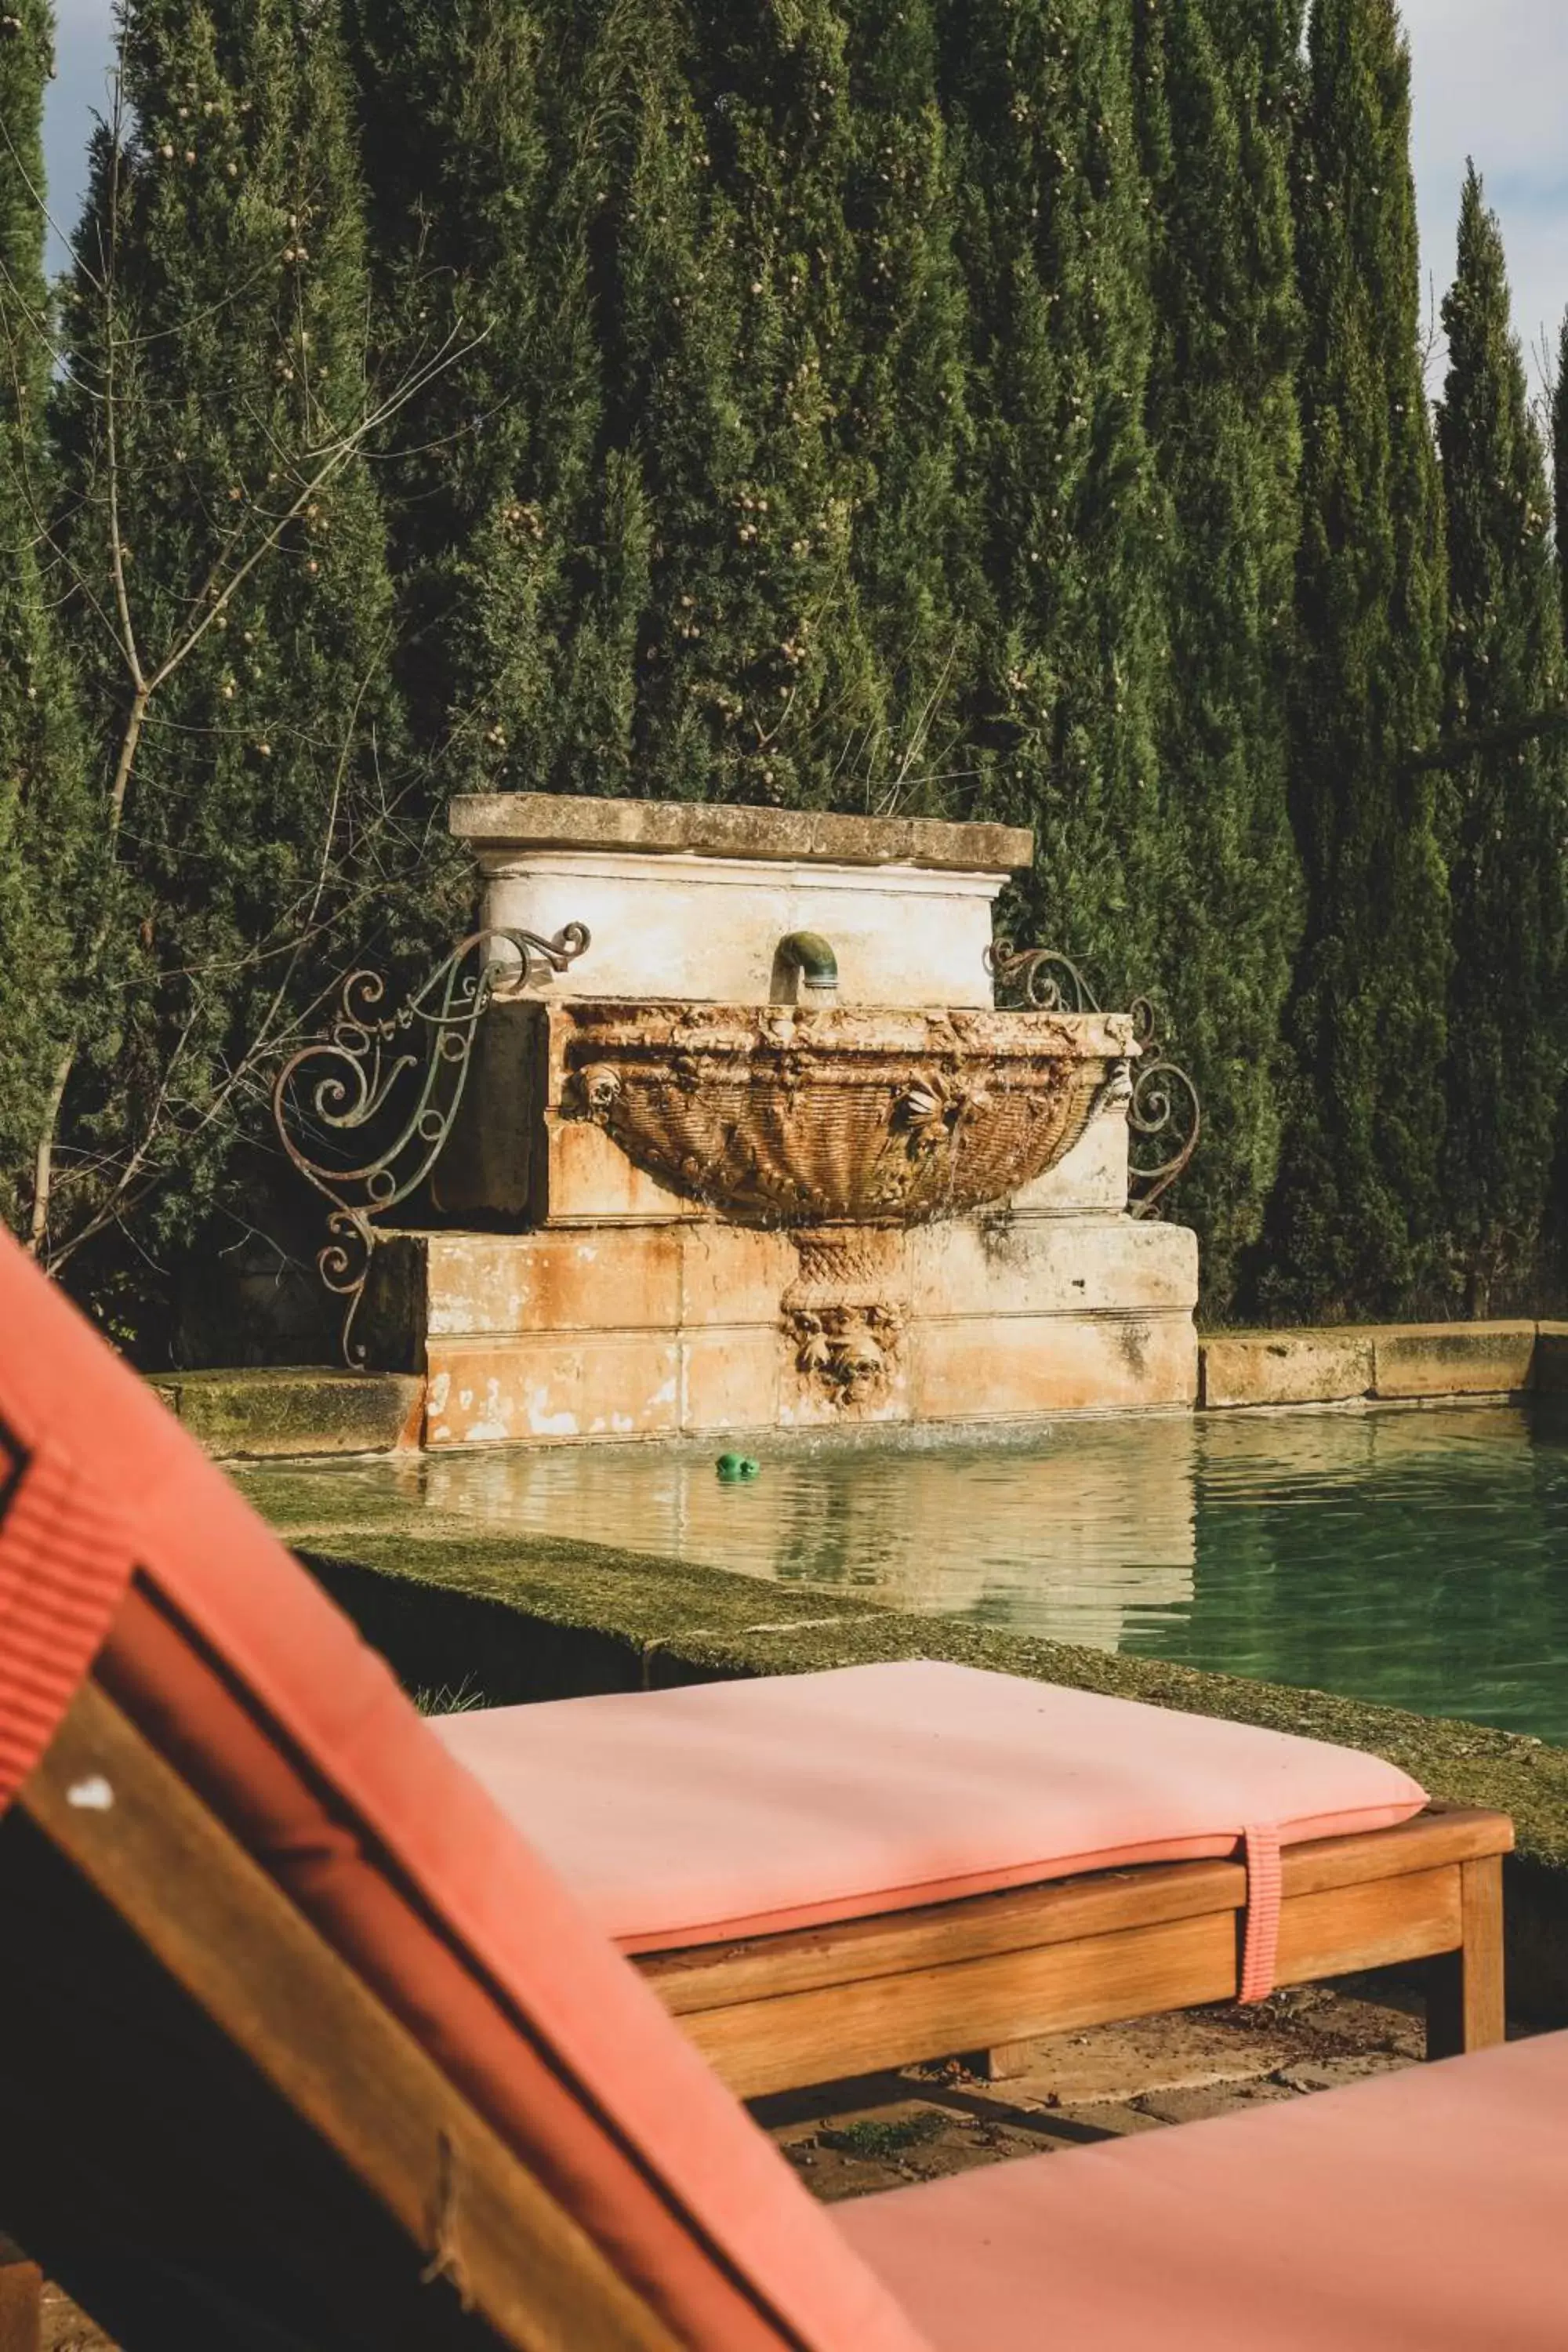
[(732, 1467)]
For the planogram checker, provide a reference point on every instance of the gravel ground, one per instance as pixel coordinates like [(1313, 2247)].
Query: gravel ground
[(67, 2329)]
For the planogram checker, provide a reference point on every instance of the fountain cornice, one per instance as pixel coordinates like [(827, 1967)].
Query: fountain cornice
[(495, 822)]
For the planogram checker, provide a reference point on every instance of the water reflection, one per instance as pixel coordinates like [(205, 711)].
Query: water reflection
[(1416, 1557), (1070, 1537)]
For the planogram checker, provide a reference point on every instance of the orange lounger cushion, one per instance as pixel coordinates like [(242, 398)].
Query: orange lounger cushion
[(1423, 2212), (732, 1809)]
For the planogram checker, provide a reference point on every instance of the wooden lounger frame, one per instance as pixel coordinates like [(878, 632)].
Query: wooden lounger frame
[(490, 2258), (21, 2301), (994, 1970)]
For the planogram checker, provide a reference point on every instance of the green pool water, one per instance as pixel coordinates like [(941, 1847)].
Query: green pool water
[(1417, 1558)]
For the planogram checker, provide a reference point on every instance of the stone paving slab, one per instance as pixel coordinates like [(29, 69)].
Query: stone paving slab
[(1551, 1364), (1405, 1362)]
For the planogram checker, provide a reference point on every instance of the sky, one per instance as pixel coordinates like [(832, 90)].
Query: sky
[(1491, 81)]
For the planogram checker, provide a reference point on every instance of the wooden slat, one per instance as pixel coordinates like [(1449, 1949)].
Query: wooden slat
[(231, 1939), (1441, 1835), (716, 1976), (980, 1926), (1002, 1968), (1376, 1924), (850, 2029), (847, 2028), (1372, 1923)]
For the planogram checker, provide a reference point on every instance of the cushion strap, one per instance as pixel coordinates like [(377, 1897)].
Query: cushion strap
[(1261, 1947), (64, 1565)]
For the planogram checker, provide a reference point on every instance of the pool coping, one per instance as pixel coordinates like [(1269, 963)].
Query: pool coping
[(515, 1618), (305, 1411)]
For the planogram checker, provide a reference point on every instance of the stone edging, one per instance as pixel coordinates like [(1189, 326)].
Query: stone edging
[(1388, 1363), (256, 1414)]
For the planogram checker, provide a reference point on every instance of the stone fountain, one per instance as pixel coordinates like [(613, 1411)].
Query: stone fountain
[(745, 1143)]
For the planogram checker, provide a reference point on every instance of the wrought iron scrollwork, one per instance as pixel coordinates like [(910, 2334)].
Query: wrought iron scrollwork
[(1164, 1119), (364, 1111), (1164, 1114), (1037, 980), (1043, 979)]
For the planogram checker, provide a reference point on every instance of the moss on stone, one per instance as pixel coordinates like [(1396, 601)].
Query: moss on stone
[(261, 1411)]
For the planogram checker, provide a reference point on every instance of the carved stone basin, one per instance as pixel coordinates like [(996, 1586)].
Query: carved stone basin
[(778, 1115)]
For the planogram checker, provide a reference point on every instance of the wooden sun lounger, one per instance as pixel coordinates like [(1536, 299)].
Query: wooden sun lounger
[(998, 1970), (233, 1955), (828, 1873)]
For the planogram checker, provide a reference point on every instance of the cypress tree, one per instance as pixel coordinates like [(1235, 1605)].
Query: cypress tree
[(1358, 1206), (733, 276), (232, 605), (791, 362), (642, 578), (1507, 1028), (903, 400), (1219, 83), (1560, 464), (43, 863), (838, 641), (705, 543), (1055, 244), (484, 222)]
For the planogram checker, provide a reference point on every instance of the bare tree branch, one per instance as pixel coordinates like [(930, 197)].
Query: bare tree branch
[(313, 468)]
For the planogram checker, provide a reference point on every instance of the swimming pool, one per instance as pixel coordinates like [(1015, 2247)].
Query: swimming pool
[(1418, 1558)]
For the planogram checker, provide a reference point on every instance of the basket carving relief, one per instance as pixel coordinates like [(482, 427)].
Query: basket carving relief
[(788, 1116)]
